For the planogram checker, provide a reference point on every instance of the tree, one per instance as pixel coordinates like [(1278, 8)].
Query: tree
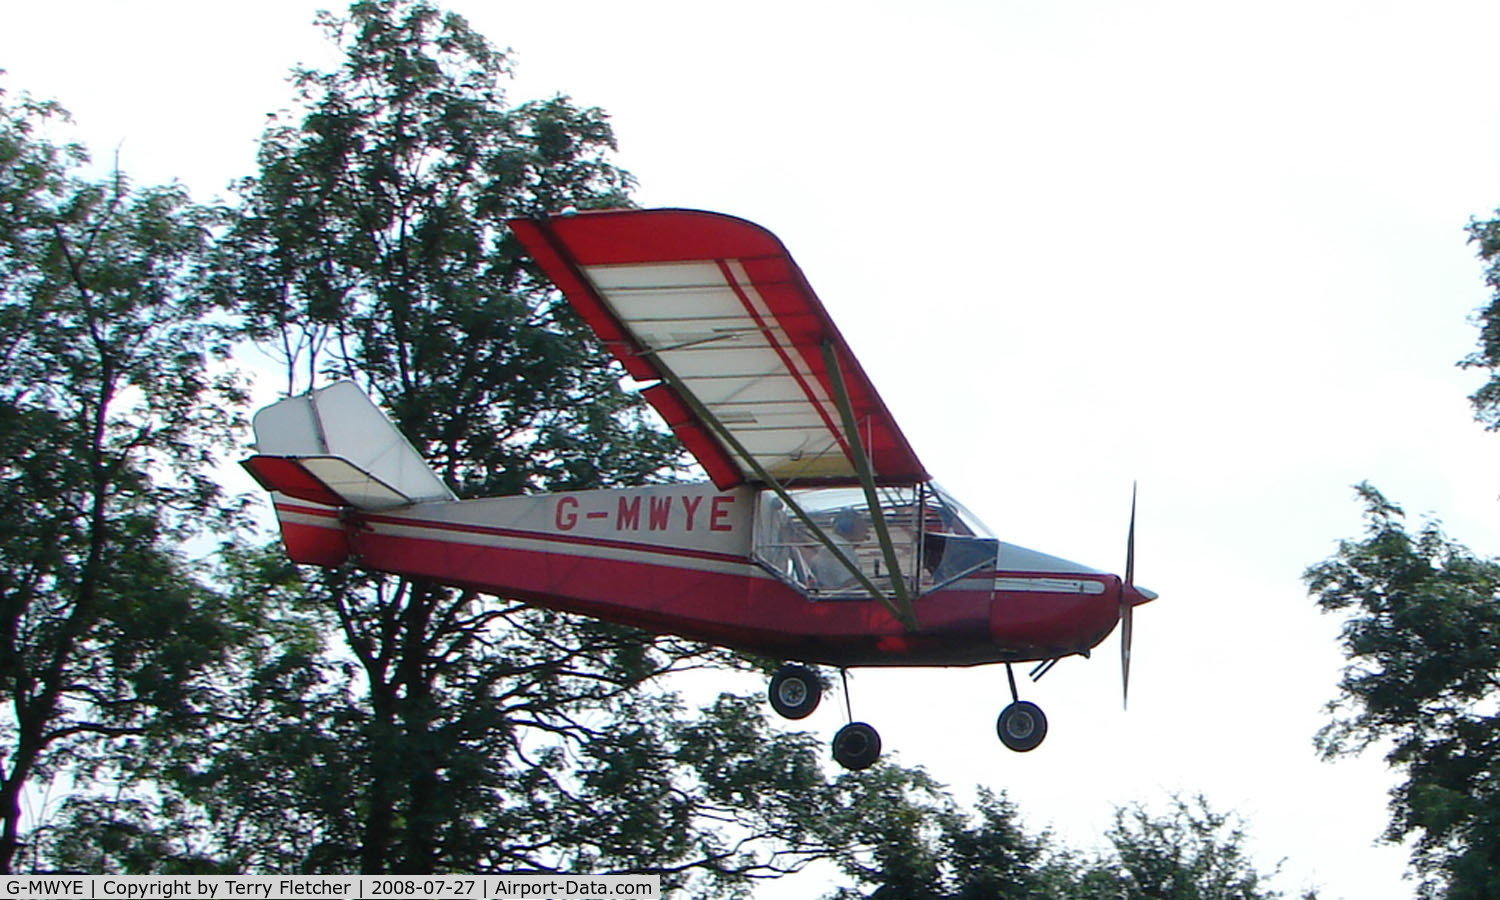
[(906, 838), (487, 735), (261, 779), (1422, 637), (110, 415), (372, 246), (1191, 853), (1486, 400)]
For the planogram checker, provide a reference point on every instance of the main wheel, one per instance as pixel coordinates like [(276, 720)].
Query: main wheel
[(1021, 726), (795, 692), (856, 746)]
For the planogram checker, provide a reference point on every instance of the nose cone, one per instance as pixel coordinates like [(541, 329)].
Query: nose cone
[(1135, 595)]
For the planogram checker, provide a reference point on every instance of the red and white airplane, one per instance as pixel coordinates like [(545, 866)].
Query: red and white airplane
[(819, 538)]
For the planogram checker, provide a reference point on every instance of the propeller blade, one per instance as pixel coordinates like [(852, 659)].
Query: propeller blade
[(1127, 619)]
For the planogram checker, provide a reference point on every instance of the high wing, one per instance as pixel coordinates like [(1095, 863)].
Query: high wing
[(714, 312)]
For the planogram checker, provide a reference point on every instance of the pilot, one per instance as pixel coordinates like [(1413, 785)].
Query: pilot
[(782, 541), (850, 529)]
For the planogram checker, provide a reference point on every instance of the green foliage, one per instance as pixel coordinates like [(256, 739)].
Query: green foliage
[(483, 734), (1422, 638), (1193, 853), (110, 416), (906, 838), (998, 858), (260, 780), (1486, 400), (372, 246)]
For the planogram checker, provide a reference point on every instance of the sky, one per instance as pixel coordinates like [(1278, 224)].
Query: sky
[(1216, 249)]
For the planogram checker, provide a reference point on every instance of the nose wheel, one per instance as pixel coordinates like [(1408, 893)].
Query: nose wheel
[(1022, 725)]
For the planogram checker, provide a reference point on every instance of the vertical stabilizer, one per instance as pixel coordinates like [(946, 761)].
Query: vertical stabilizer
[(333, 446)]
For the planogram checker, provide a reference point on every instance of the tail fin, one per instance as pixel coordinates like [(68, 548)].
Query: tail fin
[(334, 447)]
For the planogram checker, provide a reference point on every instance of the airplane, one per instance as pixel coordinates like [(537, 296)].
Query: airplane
[(819, 538)]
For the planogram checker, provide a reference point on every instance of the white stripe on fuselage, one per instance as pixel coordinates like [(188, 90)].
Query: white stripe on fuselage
[(1020, 559), (685, 526)]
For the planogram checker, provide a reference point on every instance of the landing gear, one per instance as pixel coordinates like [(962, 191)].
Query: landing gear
[(795, 692), (856, 746), (1021, 726)]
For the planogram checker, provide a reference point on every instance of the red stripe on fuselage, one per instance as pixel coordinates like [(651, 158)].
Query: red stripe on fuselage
[(497, 531), (553, 537)]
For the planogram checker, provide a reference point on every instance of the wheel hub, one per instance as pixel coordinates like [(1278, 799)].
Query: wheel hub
[(793, 692)]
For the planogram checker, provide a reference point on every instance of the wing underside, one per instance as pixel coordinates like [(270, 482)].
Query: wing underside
[(715, 314)]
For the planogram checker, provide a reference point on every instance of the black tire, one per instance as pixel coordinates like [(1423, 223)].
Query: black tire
[(795, 692), (856, 746), (1021, 726)]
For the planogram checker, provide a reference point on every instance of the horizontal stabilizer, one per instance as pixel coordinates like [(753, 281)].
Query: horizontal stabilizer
[(334, 446), (330, 480)]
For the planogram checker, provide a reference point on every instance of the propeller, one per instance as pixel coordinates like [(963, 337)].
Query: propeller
[(1130, 596)]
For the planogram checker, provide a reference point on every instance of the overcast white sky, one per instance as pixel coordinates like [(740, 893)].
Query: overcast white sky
[(1215, 247)]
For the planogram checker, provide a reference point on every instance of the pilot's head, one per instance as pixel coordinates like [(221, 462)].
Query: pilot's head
[(850, 525)]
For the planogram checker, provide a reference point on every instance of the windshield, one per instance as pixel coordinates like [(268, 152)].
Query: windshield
[(957, 511)]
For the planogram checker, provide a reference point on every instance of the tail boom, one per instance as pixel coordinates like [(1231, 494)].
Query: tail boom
[(313, 535)]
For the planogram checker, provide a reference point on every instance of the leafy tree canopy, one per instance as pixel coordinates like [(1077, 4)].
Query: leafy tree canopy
[(1486, 400), (908, 839), (110, 416), (1422, 637), (372, 246), (486, 734)]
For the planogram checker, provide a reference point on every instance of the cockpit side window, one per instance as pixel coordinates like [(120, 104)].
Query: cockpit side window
[(786, 546), (935, 540)]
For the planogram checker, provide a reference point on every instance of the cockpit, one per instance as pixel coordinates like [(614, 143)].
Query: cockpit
[(934, 539)]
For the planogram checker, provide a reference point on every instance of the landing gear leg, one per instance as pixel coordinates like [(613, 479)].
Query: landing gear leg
[(1022, 725), (857, 744)]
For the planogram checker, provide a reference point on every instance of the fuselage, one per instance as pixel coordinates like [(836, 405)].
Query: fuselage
[(686, 559)]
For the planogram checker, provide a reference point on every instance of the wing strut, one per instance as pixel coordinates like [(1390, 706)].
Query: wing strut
[(901, 607), (867, 481)]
